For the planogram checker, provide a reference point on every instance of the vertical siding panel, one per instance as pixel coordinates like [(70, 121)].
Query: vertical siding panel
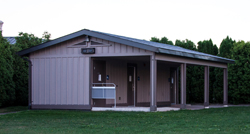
[(52, 81), (58, 80), (105, 50), (32, 80), (98, 50), (63, 48), (136, 50), (75, 50), (86, 81), (168, 86), (36, 82), (69, 80), (139, 83), (75, 78), (42, 82), (112, 48), (129, 49), (53, 50), (47, 80), (81, 88), (117, 48), (124, 81), (57, 47), (123, 49), (47, 50), (163, 84), (63, 98)]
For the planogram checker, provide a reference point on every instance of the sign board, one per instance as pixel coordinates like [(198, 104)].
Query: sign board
[(88, 50)]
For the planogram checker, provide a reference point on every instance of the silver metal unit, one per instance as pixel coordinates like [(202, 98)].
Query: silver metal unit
[(104, 91)]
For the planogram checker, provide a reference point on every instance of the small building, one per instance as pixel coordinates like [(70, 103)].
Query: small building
[(66, 73)]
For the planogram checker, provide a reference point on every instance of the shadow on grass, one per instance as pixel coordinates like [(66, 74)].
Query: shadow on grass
[(13, 109)]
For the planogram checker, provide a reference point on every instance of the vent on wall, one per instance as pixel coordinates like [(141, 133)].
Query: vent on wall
[(81, 43), (95, 43)]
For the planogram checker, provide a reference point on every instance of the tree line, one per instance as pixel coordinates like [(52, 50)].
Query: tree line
[(238, 73), (14, 70)]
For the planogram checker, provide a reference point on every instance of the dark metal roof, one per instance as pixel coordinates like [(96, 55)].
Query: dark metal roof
[(11, 40), (143, 44)]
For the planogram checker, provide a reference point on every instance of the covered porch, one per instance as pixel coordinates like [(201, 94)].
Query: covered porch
[(148, 83)]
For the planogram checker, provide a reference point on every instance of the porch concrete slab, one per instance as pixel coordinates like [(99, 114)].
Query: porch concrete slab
[(127, 109), (163, 109), (134, 109)]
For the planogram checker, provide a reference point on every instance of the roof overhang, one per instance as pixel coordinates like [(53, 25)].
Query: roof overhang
[(195, 56), (125, 41), (25, 52)]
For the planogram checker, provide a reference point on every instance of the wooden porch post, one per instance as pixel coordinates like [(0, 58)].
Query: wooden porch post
[(225, 87), (153, 80), (183, 86), (177, 86), (206, 86)]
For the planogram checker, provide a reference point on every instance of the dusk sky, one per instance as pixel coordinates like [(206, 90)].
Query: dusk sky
[(195, 20)]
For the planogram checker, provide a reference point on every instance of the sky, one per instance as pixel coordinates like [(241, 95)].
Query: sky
[(195, 20)]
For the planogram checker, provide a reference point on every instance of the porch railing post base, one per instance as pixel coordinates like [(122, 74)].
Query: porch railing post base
[(153, 108), (183, 106), (206, 104)]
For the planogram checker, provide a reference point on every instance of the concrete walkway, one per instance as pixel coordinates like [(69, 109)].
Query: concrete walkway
[(8, 113), (199, 106), (135, 109), (162, 109)]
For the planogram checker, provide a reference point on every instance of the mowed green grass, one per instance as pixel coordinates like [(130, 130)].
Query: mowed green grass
[(219, 120), (13, 109)]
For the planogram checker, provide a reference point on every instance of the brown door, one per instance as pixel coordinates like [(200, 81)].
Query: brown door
[(131, 78), (99, 76), (172, 85)]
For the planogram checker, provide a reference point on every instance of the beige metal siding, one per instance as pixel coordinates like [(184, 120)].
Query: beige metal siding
[(117, 71), (143, 86), (60, 73), (56, 81), (163, 85)]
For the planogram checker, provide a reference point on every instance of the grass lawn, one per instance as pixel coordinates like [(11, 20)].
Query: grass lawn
[(13, 109), (220, 120)]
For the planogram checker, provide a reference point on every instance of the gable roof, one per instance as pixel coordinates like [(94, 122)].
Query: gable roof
[(11, 40), (143, 44)]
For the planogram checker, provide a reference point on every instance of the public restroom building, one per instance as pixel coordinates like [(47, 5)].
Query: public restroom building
[(89, 69)]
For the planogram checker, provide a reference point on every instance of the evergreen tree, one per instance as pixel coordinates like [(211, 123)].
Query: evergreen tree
[(24, 41), (7, 86), (155, 39), (208, 47), (224, 51), (191, 74), (239, 73), (163, 40)]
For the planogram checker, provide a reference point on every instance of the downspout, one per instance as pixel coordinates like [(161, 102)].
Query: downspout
[(30, 69)]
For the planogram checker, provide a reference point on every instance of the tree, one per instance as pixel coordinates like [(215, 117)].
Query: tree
[(239, 73), (7, 91), (155, 39), (225, 47), (186, 44), (163, 40), (224, 51), (207, 46), (191, 72), (20, 77)]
